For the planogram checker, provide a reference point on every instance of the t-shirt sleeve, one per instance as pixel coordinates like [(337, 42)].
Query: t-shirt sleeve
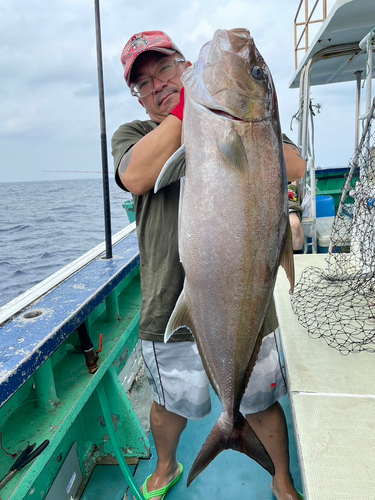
[(286, 140), (124, 139)]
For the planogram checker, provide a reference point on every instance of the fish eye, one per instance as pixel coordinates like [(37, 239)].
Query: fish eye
[(256, 72)]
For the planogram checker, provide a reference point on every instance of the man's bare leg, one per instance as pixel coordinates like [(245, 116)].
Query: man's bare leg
[(270, 426), (167, 428)]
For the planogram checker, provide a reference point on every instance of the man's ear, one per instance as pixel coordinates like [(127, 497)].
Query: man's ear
[(188, 64), (147, 113)]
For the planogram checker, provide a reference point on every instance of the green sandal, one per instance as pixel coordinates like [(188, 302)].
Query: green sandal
[(299, 494), (162, 491)]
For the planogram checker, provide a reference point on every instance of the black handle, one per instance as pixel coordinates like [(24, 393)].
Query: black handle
[(33, 455), (22, 457)]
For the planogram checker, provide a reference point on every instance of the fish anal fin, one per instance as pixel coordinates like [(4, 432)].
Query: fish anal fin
[(173, 169), (250, 366), (180, 317), (238, 436), (254, 357), (287, 259), (233, 151)]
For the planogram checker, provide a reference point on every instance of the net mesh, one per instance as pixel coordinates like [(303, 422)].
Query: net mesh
[(338, 303)]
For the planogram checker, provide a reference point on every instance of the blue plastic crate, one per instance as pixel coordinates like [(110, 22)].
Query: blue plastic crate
[(325, 206)]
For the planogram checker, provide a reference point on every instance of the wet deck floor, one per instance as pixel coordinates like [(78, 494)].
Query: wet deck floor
[(230, 476)]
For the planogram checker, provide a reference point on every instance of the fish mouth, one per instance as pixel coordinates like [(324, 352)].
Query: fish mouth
[(228, 116), (225, 115)]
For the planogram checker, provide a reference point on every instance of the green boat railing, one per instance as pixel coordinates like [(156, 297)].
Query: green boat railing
[(50, 393)]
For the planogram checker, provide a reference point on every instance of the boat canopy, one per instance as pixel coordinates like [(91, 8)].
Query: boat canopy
[(335, 48)]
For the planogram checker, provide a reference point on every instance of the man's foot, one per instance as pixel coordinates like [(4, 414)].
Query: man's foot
[(157, 486), (285, 491)]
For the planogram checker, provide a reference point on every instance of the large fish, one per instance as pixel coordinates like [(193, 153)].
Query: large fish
[(234, 225)]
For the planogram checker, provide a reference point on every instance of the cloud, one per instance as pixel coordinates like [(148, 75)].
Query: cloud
[(48, 75), (203, 29)]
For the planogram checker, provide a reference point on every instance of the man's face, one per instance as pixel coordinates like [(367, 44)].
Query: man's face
[(166, 95)]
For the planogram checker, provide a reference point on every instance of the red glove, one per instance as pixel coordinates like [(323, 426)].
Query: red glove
[(178, 111)]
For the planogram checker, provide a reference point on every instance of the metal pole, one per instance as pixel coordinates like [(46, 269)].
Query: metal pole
[(366, 44), (306, 25), (301, 183), (103, 137), (368, 98), (306, 108), (358, 75)]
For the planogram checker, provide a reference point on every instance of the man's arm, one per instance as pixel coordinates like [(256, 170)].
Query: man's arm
[(140, 167), (295, 164)]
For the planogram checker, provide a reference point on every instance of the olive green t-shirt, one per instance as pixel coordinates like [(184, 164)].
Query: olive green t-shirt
[(162, 274), (286, 140)]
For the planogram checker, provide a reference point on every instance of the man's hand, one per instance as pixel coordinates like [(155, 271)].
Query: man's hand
[(141, 166), (178, 111)]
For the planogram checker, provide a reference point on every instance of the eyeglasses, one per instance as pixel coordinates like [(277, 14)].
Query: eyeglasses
[(166, 72)]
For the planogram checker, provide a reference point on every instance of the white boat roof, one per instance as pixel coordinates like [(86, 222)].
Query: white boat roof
[(348, 22)]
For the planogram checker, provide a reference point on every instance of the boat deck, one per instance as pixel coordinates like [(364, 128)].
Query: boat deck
[(333, 405), (230, 475)]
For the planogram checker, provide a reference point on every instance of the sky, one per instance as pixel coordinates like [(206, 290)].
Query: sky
[(49, 111)]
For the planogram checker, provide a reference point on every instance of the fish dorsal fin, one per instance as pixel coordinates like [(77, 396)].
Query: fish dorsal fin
[(233, 151), (173, 169), (180, 317), (287, 260)]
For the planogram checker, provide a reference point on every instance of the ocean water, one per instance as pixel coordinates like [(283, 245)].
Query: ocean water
[(45, 225)]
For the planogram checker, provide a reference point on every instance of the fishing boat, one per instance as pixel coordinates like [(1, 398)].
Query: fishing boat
[(330, 370), (340, 52), (76, 425)]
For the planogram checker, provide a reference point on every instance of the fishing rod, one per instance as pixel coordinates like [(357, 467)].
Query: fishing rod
[(107, 219), (103, 136), (75, 171)]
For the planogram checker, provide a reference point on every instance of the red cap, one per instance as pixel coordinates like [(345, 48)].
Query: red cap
[(140, 42)]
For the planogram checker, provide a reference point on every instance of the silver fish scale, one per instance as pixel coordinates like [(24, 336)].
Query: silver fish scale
[(228, 251)]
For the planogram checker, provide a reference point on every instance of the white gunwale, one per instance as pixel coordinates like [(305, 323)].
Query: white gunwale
[(23, 301)]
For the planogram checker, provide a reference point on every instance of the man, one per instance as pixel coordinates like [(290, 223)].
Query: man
[(153, 66), (295, 218)]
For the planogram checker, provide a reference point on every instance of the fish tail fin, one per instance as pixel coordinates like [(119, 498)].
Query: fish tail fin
[(238, 436)]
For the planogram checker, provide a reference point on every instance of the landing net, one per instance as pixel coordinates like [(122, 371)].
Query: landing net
[(338, 303)]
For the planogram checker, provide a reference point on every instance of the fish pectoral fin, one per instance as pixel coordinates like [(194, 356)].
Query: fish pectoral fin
[(287, 259), (180, 317), (173, 169), (233, 151)]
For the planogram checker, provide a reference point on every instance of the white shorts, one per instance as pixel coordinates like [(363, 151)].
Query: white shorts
[(180, 384)]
